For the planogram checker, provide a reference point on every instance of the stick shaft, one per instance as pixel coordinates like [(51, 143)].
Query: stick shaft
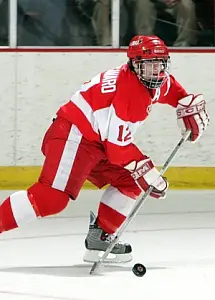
[(138, 205)]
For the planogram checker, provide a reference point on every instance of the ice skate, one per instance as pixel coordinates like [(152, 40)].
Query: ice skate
[(97, 242)]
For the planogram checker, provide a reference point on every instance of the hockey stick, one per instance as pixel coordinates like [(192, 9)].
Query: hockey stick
[(136, 208)]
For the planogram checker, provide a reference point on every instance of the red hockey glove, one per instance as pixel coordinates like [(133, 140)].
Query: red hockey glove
[(192, 116), (145, 174)]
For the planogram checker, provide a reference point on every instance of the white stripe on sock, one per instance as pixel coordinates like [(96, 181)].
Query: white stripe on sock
[(113, 198), (22, 209)]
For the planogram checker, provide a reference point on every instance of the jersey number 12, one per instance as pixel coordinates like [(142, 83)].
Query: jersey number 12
[(124, 134)]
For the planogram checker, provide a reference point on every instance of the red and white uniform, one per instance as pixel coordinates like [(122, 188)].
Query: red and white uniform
[(93, 134), (92, 138), (110, 108)]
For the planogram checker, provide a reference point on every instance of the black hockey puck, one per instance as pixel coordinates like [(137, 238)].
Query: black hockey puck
[(139, 270)]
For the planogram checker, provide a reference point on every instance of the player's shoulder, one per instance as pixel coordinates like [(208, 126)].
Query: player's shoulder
[(117, 80), (173, 83), (135, 90), (130, 82), (126, 75), (118, 72), (169, 84), (173, 80)]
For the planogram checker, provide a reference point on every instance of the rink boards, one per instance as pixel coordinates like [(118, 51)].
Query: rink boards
[(13, 178), (36, 83)]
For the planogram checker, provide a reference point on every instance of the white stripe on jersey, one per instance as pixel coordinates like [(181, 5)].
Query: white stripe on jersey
[(86, 109), (105, 121)]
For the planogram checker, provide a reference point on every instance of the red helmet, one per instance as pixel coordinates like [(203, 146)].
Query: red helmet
[(149, 59)]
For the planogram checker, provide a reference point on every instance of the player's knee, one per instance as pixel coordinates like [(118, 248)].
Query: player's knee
[(47, 200)]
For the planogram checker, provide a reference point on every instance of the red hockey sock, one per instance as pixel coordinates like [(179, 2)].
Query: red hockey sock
[(114, 206), (109, 219), (7, 221), (16, 210)]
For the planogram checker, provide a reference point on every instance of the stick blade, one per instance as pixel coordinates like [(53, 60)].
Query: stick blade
[(96, 268)]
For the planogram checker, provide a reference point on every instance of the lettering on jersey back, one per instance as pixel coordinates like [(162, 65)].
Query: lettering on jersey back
[(108, 84)]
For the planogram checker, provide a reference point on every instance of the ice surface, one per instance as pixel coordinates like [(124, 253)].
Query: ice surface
[(44, 260)]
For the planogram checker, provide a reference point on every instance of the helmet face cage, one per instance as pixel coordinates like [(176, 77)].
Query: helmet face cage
[(152, 72)]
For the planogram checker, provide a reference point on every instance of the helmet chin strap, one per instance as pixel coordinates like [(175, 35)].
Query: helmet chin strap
[(152, 84)]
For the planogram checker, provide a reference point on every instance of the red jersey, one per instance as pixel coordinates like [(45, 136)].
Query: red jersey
[(111, 106)]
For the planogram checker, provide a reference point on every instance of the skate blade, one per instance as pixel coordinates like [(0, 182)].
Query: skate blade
[(94, 256)]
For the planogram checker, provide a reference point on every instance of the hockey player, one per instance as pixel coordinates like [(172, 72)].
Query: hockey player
[(92, 138)]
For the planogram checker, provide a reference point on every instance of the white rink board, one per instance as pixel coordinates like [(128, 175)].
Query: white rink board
[(34, 85)]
